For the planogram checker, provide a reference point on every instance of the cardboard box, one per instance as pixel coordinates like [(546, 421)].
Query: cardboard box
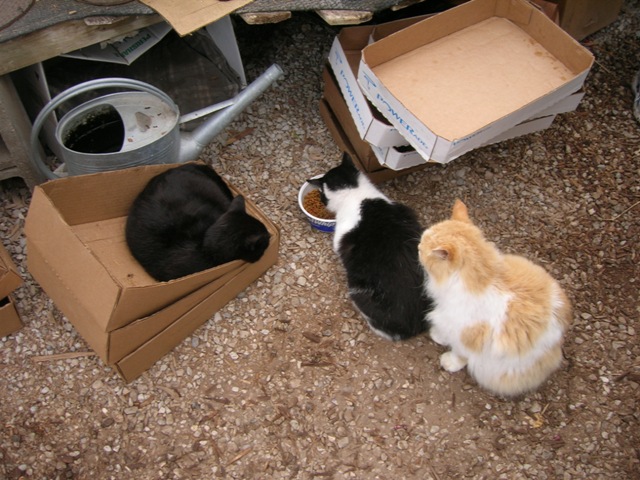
[(78, 254), (389, 147), (10, 279), (344, 58), (341, 125), (452, 82), (581, 18), (398, 158), (382, 174), (9, 319)]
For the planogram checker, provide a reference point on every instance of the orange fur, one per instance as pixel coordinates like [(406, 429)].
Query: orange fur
[(476, 336), (465, 246)]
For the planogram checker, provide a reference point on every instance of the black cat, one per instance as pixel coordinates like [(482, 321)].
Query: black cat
[(377, 241), (186, 220)]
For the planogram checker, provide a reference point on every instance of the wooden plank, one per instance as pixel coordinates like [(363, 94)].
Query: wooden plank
[(262, 18), (15, 130), (345, 17), (64, 38)]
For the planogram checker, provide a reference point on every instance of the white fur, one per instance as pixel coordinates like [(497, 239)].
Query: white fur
[(456, 309), (345, 203)]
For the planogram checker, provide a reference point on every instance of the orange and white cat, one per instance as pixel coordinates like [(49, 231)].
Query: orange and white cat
[(501, 315)]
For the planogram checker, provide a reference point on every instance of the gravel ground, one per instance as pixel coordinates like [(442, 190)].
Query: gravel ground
[(286, 381)]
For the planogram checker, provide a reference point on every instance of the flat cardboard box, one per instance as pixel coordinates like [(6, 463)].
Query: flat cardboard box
[(136, 362), (10, 279), (126, 50), (388, 146), (78, 254), (452, 82)]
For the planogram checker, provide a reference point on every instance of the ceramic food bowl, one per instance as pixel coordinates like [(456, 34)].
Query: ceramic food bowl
[(325, 225)]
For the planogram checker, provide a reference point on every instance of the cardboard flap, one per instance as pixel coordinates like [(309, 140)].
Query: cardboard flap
[(95, 197), (132, 365), (10, 279), (142, 301), (125, 340), (77, 312), (46, 230), (188, 16), (9, 319)]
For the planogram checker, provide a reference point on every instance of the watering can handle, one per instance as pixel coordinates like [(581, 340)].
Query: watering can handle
[(74, 91)]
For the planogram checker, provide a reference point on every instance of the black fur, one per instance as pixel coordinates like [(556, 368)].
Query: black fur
[(186, 220), (380, 257)]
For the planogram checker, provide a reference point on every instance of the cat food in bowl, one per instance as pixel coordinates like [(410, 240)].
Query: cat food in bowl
[(311, 205)]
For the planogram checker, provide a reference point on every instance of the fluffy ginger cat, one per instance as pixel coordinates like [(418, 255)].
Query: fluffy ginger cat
[(501, 315)]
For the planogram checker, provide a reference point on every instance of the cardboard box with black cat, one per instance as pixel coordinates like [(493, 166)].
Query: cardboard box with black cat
[(77, 252), (9, 280)]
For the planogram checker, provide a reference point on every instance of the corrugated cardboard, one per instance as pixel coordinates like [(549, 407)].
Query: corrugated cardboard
[(342, 140), (10, 279), (581, 18), (344, 58), (78, 254), (452, 82), (374, 158), (389, 147), (9, 319), (187, 16), (340, 124), (136, 362)]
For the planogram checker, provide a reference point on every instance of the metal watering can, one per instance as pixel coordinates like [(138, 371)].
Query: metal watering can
[(132, 128)]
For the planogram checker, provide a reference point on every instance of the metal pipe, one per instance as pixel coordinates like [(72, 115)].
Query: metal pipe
[(193, 143)]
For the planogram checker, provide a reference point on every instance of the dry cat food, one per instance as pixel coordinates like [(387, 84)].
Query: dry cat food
[(314, 206)]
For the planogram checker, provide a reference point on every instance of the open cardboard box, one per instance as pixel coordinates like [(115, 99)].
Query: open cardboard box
[(373, 158), (78, 254), (452, 82), (390, 148), (10, 279)]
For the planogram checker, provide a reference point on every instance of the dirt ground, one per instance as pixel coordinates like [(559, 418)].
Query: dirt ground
[(287, 382)]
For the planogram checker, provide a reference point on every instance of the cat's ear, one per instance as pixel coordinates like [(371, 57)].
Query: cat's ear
[(317, 181), (237, 204), (442, 253), (347, 161), (460, 212)]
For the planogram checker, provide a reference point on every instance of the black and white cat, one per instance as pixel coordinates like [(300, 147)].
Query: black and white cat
[(377, 241), (186, 220)]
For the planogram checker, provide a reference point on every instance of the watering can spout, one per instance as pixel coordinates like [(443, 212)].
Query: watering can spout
[(193, 143)]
